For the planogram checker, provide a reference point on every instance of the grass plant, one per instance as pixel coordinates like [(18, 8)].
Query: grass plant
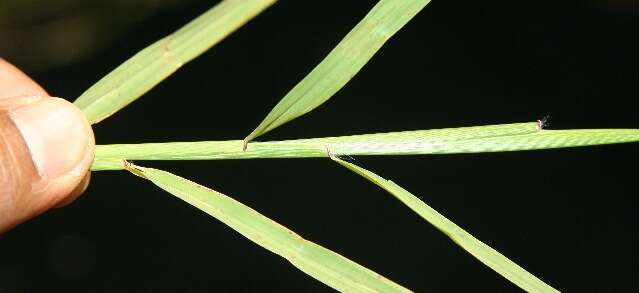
[(153, 64)]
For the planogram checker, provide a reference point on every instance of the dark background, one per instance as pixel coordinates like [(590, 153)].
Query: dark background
[(568, 216)]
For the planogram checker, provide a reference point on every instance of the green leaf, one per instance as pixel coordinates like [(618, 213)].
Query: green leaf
[(477, 139), (320, 263), (490, 257), (342, 63), (153, 64)]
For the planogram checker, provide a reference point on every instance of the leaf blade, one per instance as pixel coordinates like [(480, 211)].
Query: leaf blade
[(342, 63), (156, 62), (325, 265), (484, 253)]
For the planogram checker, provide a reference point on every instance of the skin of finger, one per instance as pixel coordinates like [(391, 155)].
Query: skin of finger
[(14, 83), (77, 191), (46, 192)]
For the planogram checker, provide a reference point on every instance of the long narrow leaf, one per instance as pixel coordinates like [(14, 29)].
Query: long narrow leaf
[(153, 64), (478, 139), (341, 64), (320, 263), (490, 257)]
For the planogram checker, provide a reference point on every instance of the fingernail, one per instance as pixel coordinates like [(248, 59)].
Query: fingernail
[(56, 134)]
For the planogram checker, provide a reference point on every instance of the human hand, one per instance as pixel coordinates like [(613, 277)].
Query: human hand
[(46, 149)]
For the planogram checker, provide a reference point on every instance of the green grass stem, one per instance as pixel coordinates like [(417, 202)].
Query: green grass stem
[(476, 139)]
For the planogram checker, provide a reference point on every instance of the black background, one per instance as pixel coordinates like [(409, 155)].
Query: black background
[(568, 216)]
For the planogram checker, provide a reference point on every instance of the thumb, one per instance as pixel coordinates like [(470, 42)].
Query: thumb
[(46, 148)]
